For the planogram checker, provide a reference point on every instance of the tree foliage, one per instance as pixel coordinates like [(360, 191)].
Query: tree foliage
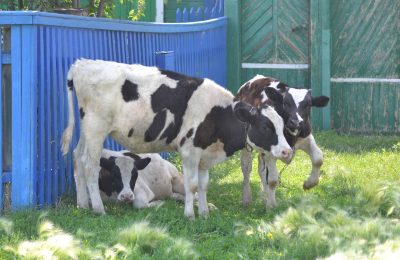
[(97, 8)]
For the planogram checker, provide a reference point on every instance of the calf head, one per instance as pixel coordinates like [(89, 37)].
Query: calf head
[(294, 107), (264, 130), (297, 105), (119, 174)]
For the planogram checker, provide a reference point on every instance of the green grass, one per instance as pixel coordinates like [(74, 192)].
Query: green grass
[(354, 212)]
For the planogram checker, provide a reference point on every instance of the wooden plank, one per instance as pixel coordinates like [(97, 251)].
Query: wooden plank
[(366, 107), (234, 48), (23, 144), (320, 59)]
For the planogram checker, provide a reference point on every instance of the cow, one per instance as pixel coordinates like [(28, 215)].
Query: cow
[(295, 111), (141, 179), (147, 109)]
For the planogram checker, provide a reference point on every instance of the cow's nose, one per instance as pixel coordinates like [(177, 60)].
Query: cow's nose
[(293, 123), (127, 197), (286, 153)]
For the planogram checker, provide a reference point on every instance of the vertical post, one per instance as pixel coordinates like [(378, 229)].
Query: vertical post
[(23, 117), (178, 16), (234, 53), (159, 11), (1, 122), (320, 58), (165, 60)]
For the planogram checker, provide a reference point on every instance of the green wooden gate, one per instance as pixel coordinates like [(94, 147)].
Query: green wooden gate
[(365, 65), (275, 39), (346, 49)]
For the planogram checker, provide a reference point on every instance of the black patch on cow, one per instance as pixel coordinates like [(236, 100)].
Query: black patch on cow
[(176, 101), (129, 91), (221, 124), (134, 176), (70, 85), (319, 101), (81, 113), (156, 126), (182, 141), (139, 164), (132, 155), (189, 133), (263, 133), (110, 179), (172, 75), (130, 132)]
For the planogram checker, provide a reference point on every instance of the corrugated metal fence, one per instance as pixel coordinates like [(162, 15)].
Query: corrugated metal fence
[(39, 52)]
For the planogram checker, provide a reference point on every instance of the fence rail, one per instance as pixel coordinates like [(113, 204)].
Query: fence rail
[(42, 47)]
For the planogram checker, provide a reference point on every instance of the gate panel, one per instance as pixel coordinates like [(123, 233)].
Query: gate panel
[(365, 65), (275, 32)]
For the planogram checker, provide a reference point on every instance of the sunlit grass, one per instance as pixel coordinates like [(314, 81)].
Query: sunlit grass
[(352, 214)]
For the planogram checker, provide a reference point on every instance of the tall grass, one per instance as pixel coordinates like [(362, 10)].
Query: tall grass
[(352, 214)]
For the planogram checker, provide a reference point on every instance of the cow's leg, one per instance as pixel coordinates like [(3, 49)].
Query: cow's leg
[(203, 185), (309, 145), (263, 173), (82, 196), (246, 164), (269, 177), (94, 135), (190, 165)]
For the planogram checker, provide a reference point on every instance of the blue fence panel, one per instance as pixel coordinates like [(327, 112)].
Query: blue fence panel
[(43, 48), (211, 9)]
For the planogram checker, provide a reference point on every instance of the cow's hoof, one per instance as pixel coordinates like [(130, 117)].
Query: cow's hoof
[(190, 216), (309, 184), (212, 207), (270, 204), (99, 211), (246, 201)]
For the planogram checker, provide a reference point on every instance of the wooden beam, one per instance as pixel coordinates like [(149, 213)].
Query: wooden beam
[(320, 59), (234, 53)]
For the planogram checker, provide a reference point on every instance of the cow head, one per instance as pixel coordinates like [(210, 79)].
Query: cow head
[(297, 105), (264, 130), (119, 174)]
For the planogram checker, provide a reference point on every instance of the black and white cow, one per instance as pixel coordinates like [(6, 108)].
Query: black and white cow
[(141, 179), (295, 110), (151, 110)]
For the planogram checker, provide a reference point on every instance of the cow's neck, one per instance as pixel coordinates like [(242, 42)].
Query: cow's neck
[(221, 125)]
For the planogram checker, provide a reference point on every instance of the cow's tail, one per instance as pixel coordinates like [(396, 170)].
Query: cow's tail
[(68, 132)]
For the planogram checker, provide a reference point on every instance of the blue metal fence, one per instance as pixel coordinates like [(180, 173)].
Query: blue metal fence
[(44, 45), (211, 9)]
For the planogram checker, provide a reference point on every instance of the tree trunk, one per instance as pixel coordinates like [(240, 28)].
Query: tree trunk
[(100, 10), (20, 4)]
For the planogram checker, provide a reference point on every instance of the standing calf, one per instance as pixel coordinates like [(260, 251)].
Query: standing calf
[(147, 109), (295, 110)]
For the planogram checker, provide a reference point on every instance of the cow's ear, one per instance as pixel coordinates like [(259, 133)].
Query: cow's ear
[(319, 101), (274, 95), (140, 164), (282, 87), (107, 164), (246, 113)]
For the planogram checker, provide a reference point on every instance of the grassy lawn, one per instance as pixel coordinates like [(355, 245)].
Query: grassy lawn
[(353, 212)]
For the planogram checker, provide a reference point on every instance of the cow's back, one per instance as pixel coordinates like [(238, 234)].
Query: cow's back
[(144, 108)]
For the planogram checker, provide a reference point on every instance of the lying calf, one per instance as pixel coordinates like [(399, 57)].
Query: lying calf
[(158, 179), (295, 111)]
